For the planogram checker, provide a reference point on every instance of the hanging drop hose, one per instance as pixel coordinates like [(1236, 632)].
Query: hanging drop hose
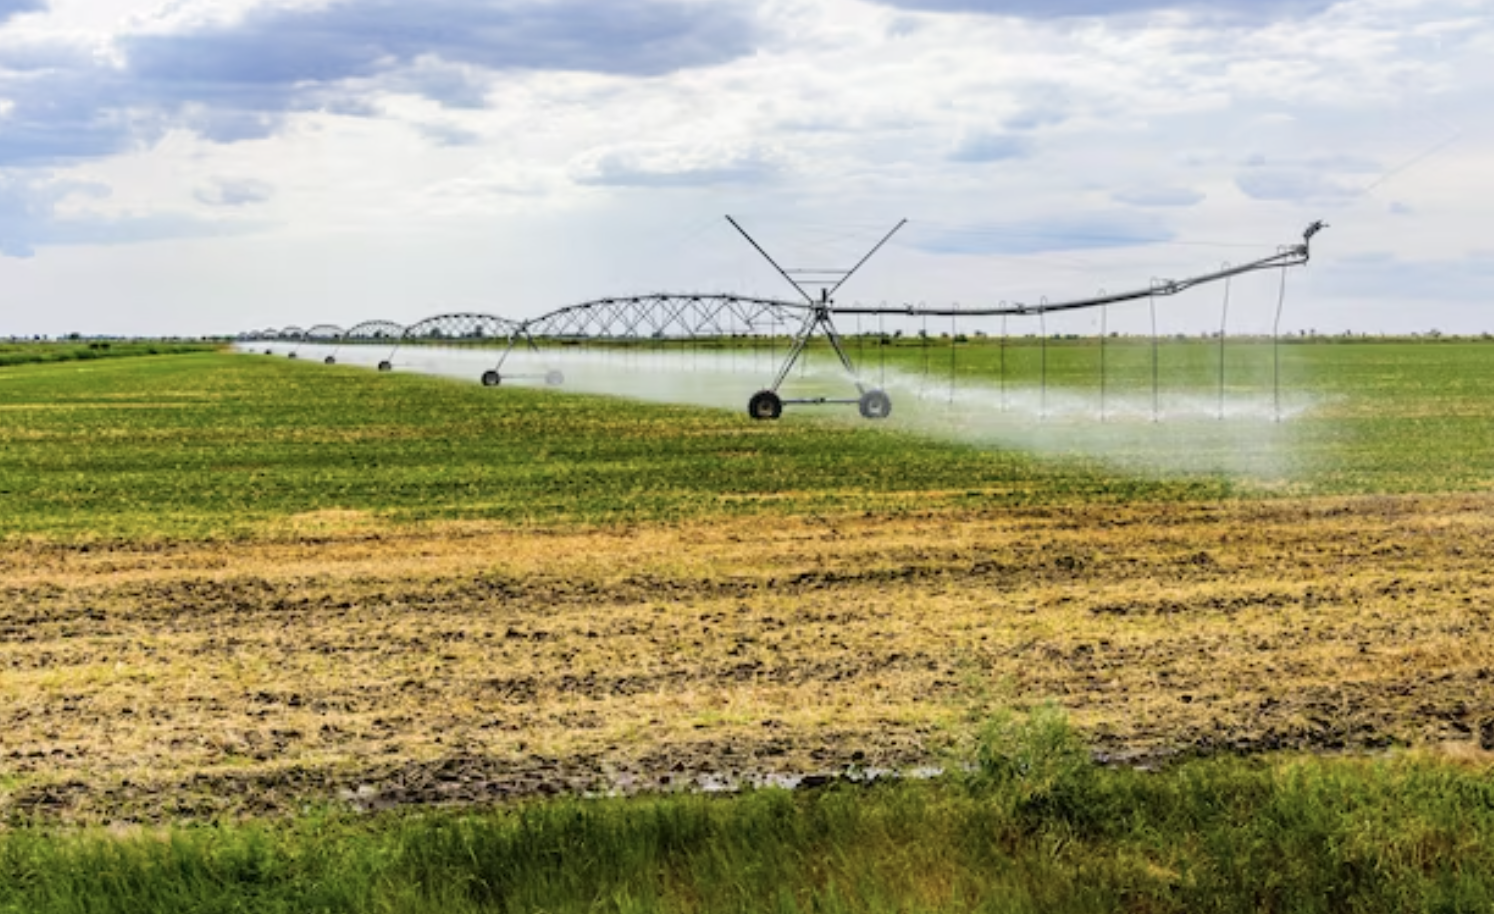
[(1223, 335), (1043, 357), (860, 347), (923, 384), (1003, 363), (1276, 345), (954, 335), (1153, 303), (1104, 312), (881, 352)]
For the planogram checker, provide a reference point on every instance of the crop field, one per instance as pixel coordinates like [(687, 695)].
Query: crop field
[(299, 580), (234, 587), (34, 352)]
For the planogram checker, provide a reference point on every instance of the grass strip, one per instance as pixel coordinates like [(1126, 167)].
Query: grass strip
[(1034, 825), (43, 353)]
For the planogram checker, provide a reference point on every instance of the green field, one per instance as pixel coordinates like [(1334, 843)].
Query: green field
[(239, 590), (217, 444), (30, 353)]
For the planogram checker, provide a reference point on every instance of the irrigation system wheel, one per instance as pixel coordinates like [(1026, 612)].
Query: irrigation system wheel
[(386, 366), (875, 404), (269, 352), (329, 360), (491, 378), (290, 355), (554, 378), (765, 404)]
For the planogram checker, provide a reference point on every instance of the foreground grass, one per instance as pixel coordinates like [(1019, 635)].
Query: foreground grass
[(1034, 826)]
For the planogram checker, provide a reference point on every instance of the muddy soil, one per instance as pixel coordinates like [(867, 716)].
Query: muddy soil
[(468, 663)]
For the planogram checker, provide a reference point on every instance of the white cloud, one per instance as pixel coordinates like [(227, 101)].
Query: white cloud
[(1158, 195), (1069, 139), (671, 165), (234, 192)]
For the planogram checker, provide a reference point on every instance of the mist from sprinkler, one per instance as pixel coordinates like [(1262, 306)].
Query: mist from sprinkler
[(1244, 437)]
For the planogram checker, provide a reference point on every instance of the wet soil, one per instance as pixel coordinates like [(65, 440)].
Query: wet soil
[(474, 664)]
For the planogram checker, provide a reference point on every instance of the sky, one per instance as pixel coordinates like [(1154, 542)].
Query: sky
[(203, 167)]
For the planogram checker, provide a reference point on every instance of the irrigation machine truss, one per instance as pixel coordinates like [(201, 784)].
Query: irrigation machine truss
[(661, 318)]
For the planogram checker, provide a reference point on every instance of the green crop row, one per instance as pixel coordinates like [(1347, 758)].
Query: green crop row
[(213, 444), (218, 444)]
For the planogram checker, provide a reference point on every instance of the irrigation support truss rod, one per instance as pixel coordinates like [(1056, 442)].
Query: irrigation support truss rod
[(1292, 256), (821, 309), (797, 284)]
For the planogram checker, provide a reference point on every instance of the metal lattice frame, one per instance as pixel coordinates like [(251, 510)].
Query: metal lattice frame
[(656, 319), (458, 328), (320, 333), (665, 316), (375, 331)]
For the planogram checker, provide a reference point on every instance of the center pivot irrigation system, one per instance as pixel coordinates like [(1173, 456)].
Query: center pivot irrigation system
[(873, 402), (662, 318)]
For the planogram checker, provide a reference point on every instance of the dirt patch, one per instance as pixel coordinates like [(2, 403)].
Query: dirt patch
[(468, 662)]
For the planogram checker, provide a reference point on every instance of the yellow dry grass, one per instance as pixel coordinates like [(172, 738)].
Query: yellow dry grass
[(467, 660)]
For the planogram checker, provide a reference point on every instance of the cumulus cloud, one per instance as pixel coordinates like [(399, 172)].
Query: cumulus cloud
[(1316, 179), (9, 8), (1295, 184), (234, 192), (272, 49), (449, 134), (1244, 10), (450, 85), (29, 52), (32, 216), (1158, 195), (26, 205), (667, 165), (1468, 279), (237, 80), (1086, 231), (64, 104), (980, 146)]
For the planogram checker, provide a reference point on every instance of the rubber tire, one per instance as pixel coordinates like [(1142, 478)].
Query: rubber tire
[(765, 404), (269, 352), (875, 404), (554, 378), (329, 360), (491, 378), (290, 355), (385, 366)]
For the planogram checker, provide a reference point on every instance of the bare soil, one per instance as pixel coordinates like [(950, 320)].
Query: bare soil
[(345, 661)]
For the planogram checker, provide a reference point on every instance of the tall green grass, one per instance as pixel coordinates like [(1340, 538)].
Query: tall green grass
[(1034, 825)]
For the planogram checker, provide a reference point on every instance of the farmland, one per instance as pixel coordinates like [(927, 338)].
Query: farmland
[(37, 352), (236, 585)]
